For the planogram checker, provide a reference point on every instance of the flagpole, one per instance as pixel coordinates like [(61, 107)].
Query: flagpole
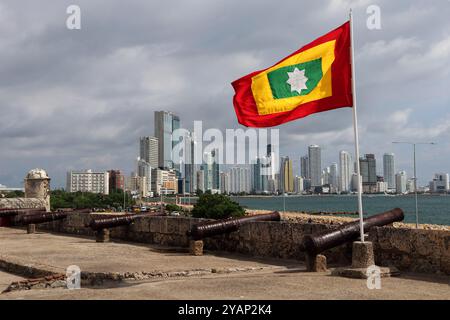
[(355, 128)]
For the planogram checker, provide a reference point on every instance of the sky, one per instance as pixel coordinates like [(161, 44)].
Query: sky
[(80, 99)]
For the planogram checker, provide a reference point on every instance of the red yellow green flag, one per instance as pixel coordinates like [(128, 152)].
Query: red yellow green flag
[(315, 78)]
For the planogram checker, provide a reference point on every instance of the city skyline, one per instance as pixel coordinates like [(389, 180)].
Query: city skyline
[(79, 113)]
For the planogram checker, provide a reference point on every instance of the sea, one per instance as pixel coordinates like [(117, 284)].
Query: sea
[(432, 209)]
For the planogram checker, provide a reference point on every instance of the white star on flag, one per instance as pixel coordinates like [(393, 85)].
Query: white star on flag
[(297, 80)]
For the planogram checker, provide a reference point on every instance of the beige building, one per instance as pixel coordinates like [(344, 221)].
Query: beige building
[(138, 185), (164, 181)]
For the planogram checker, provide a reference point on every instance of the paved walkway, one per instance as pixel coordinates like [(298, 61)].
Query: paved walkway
[(263, 278)]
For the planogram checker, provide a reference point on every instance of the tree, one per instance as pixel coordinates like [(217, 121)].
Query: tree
[(173, 207), (216, 206), (82, 200)]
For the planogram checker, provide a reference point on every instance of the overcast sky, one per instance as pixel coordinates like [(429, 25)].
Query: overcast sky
[(79, 99)]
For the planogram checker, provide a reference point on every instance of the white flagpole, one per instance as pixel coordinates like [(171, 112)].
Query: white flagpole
[(355, 127)]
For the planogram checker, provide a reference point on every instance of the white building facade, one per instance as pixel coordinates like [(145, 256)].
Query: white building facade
[(88, 181)]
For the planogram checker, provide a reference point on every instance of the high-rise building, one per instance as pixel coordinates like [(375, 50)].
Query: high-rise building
[(207, 168), (389, 170), (88, 181), (116, 180), (304, 167), (286, 175), (298, 185), (165, 124), (261, 175), (369, 173), (440, 183), (188, 167), (148, 150), (215, 169), (400, 182), (240, 180), (333, 177), (345, 171), (224, 182), (200, 177), (144, 169), (315, 165)]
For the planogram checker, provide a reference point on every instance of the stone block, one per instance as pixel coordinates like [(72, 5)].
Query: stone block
[(102, 235), (173, 225), (183, 226), (140, 225), (31, 228), (196, 247), (316, 263), (155, 224), (362, 255)]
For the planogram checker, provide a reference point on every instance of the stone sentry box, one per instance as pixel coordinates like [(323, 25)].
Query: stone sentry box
[(407, 249)]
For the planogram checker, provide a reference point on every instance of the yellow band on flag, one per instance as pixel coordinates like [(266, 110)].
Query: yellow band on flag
[(263, 93)]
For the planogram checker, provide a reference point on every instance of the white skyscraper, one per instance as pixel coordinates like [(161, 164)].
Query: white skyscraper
[(333, 177), (224, 182), (165, 124), (345, 171), (400, 182), (148, 150), (298, 184), (389, 170), (144, 169), (240, 180), (315, 165), (440, 183)]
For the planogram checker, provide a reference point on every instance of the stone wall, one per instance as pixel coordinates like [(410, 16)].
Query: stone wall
[(408, 249), (22, 203)]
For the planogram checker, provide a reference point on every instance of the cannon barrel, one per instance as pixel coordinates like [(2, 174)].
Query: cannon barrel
[(213, 228), (14, 212), (10, 212), (116, 221), (315, 244), (41, 217)]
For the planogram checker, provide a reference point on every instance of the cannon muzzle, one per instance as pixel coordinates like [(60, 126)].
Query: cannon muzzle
[(315, 244), (213, 228)]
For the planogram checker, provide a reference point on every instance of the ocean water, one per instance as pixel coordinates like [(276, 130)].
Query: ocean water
[(433, 209)]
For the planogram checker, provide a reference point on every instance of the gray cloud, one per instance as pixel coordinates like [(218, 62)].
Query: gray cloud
[(80, 99)]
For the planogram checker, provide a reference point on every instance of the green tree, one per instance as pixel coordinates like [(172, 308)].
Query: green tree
[(82, 200), (173, 207), (216, 206)]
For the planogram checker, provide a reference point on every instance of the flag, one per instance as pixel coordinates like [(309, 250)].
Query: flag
[(315, 78)]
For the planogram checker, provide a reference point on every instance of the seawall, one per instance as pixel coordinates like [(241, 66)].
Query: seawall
[(415, 250)]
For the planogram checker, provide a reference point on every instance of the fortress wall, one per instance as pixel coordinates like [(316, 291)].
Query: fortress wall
[(426, 251)]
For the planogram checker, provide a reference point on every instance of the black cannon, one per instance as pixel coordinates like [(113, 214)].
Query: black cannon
[(317, 243), (116, 221), (37, 218), (6, 212), (208, 229)]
